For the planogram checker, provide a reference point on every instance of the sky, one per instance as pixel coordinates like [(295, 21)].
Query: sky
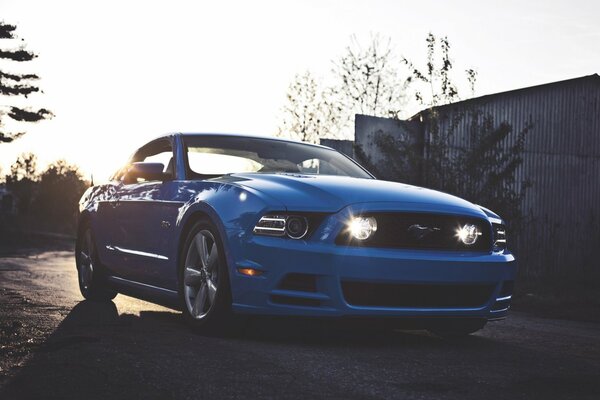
[(118, 73)]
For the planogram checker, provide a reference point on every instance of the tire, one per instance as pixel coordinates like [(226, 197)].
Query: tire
[(457, 329), (203, 272), (90, 274)]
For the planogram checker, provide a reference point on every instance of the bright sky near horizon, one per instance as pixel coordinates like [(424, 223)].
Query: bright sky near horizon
[(118, 73)]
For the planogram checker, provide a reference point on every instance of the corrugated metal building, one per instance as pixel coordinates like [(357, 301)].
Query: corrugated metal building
[(561, 160)]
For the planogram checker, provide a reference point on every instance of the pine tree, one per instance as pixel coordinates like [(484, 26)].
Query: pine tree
[(14, 84)]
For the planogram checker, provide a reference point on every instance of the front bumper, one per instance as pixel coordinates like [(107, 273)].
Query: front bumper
[(333, 265)]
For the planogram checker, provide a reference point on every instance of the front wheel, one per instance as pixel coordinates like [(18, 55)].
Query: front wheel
[(204, 280), (89, 271)]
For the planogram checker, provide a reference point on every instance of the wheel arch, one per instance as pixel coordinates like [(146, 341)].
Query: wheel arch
[(83, 221), (84, 218), (195, 213)]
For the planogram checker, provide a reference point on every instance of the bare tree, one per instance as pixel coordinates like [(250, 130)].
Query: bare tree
[(434, 85), (369, 81), (307, 113), (364, 80), (14, 84)]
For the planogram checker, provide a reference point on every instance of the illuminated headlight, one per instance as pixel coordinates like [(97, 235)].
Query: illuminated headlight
[(362, 228), (293, 226), (468, 234)]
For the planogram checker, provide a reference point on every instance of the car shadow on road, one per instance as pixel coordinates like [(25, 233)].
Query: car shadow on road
[(366, 333), (89, 321), (98, 352)]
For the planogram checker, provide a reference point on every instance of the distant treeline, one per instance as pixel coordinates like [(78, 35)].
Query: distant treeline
[(42, 201)]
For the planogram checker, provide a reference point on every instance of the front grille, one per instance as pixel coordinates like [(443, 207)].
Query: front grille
[(421, 231), (416, 295)]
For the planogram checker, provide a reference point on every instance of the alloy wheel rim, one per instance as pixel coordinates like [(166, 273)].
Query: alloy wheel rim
[(86, 265), (200, 276)]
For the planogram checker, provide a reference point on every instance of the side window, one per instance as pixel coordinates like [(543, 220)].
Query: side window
[(165, 158), (309, 166), (159, 151), (318, 166), (120, 174)]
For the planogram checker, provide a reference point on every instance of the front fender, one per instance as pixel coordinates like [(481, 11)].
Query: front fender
[(234, 212)]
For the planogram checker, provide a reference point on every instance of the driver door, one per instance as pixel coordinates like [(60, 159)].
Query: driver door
[(143, 215)]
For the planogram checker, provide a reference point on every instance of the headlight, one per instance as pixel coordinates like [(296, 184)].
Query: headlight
[(468, 234), (362, 228), (294, 226)]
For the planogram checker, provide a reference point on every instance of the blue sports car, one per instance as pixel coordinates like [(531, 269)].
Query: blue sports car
[(224, 225)]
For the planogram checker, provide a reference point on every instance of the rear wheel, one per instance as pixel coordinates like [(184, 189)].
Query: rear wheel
[(204, 280), (92, 283)]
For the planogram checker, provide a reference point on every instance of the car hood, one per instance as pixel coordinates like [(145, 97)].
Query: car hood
[(331, 193)]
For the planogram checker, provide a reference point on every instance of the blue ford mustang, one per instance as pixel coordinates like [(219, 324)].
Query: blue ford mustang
[(222, 225)]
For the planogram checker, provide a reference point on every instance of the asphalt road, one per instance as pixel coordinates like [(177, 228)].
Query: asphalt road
[(54, 345)]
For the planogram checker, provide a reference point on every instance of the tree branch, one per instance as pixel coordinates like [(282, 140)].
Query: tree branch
[(17, 78), (9, 137), (18, 90), (6, 31), (19, 114), (17, 55)]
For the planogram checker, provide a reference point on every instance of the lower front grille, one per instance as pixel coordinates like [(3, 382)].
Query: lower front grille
[(416, 295), (295, 301), (300, 282)]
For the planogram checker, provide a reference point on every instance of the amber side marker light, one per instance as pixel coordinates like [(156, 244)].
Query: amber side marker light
[(249, 271)]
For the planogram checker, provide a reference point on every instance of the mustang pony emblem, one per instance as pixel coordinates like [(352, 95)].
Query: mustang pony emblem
[(419, 232)]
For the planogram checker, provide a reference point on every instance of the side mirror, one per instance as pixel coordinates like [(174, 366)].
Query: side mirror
[(147, 171)]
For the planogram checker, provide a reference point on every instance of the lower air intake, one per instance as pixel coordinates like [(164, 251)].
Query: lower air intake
[(416, 295)]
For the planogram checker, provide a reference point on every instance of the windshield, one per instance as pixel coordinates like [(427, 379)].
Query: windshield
[(219, 155)]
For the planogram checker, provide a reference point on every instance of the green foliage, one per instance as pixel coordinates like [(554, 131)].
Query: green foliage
[(59, 189), (485, 169), (50, 198), (17, 84), (22, 181)]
